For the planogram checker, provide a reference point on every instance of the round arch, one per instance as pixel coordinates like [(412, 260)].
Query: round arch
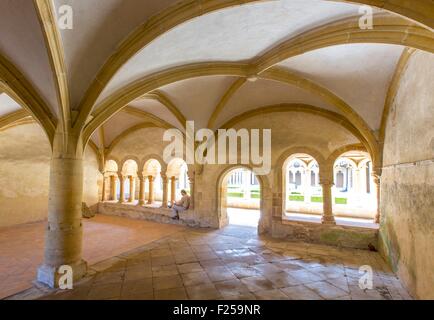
[(280, 169), (265, 213), (156, 157), (127, 159)]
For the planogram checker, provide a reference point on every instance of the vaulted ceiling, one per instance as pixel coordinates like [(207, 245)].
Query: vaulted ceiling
[(168, 61)]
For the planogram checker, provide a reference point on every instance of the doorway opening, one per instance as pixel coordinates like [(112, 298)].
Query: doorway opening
[(241, 198)]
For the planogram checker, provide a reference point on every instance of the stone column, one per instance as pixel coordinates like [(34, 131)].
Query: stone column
[(122, 188), (246, 184), (327, 217), (104, 188), (356, 181), (172, 190), (142, 191), (307, 185), (151, 190), (63, 241), (165, 189), (191, 181), (132, 189), (113, 195), (377, 181)]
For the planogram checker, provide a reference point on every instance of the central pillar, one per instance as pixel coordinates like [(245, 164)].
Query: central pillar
[(165, 189), (122, 188), (377, 181), (113, 195), (104, 188), (307, 185), (191, 176), (63, 241), (142, 191), (151, 190), (173, 190), (327, 217), (132, 189)]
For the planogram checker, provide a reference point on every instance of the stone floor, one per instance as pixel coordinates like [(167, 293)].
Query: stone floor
[(232, 263), (22, 247)]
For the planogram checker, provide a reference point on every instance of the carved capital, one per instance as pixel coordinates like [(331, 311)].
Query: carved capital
[(326, 183)]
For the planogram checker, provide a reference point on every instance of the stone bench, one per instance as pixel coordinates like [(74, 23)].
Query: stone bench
[(148, 213)]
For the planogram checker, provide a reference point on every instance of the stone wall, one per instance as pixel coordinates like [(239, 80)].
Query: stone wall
[(290, 130), (407, 186), (340, 236), (162, 215), (24, 175)]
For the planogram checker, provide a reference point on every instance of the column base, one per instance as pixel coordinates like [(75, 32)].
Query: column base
[(49, 276), (329, 220), (141, 203)]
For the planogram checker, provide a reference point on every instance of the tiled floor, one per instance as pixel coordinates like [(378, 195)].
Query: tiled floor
[(232, 263), (22, 247)]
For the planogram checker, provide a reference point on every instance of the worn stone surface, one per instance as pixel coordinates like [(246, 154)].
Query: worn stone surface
[(407, 195), (22, 247), (149, 213), (242, 266), (341, 236)]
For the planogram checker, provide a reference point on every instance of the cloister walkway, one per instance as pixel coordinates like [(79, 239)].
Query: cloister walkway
[(22, 247)]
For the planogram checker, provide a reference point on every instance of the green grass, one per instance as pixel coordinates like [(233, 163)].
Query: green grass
[(296, 198), (235, 194), (341, 200), (316, 199), (255, 195)]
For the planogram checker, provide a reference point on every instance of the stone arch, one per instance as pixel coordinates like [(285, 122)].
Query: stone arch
[(129, 158), (265, 219), (279, 198), (156, 157), (111, 164), (148, 169), (359, 202), (339, 152)]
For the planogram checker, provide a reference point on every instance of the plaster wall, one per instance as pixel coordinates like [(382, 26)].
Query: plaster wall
[(407, 184), (24, 175)]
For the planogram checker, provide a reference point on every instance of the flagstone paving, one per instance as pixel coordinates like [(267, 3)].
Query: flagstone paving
[(232, 263)]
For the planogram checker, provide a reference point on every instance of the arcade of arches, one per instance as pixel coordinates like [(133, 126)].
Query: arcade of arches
[(83, 113)]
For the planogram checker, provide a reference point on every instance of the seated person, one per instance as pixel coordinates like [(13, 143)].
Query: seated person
[(180, 205)]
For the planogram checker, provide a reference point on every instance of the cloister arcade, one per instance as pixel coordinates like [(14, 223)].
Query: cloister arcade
[(154, 185), (353, 193)]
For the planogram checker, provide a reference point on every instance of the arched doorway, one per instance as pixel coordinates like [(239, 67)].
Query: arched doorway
[(240, 198)]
